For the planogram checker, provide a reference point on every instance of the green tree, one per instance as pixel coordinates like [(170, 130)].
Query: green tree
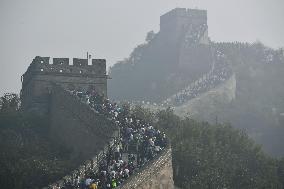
[(10, 102), (216, 156)]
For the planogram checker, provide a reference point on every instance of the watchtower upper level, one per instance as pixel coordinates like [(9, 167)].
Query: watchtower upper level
[(40, 76), (180, 17)]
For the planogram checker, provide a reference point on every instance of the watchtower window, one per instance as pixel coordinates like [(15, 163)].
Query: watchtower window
[(60, 71)]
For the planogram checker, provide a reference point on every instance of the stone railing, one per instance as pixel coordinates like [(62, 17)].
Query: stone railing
[(88, 166), (151, 176)]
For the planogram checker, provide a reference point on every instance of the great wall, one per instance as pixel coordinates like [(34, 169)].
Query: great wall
[(77, 126), (46, 90)]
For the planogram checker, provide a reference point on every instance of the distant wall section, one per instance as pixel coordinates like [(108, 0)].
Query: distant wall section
[(210, 104)]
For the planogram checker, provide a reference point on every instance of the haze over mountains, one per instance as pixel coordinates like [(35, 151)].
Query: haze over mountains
[(196, 108), (70, 28), (181, 61)]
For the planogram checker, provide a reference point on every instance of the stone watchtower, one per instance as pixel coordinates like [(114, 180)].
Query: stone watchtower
[(177, 22), (184, 35), (41, 75)]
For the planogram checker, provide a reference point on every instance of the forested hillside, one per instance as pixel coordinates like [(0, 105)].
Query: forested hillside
[(204, 155), (152, 74), (215, 156), (259, 103), (28, 159)]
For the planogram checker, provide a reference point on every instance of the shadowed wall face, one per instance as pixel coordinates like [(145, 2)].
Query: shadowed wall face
[(75, 125)]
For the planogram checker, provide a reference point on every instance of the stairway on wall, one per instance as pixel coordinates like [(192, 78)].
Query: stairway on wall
[(84, 113)]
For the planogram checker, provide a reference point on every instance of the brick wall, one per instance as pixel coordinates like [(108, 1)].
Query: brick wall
[(157, 174), (76, 126)]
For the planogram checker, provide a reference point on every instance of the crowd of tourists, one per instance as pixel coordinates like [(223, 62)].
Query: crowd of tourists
[(137, 144), (257, 51), (220, 73)]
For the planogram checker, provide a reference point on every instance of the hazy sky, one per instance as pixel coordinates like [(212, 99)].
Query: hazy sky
[(112, 28)]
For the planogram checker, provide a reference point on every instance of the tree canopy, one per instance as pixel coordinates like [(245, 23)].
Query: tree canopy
[(217, 156)]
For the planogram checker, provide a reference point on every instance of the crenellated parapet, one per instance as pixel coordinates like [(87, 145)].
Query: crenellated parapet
[(62, 66)]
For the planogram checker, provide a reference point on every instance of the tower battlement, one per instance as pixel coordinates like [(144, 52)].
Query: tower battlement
[(65, 61), (62, 65)]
